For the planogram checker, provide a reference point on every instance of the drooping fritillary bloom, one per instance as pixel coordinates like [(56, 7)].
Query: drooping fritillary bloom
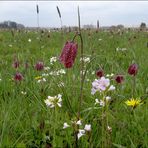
[(68, 54), (39, 66), (119, 78), (133, 69), (100, 73), (16, 64), (18, 77)]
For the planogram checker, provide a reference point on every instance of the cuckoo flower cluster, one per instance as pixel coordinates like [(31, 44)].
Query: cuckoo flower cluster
[(101, 85)]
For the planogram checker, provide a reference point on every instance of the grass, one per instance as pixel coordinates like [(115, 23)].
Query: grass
[(26, 121)]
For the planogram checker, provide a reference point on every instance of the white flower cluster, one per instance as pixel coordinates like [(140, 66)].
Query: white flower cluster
[(85, 59), (58, 72), (81, 132), (41, 80), (121, 49), (110, 75), (51, 102), (53, 60), (102, 102), (101, 85)]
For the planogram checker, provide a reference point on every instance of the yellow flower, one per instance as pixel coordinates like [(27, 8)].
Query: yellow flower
[(133, 102), (38, 78)]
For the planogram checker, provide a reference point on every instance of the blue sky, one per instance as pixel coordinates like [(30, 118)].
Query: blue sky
[(128, 13)]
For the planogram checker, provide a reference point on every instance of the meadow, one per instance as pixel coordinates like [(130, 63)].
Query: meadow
[(27, 119)]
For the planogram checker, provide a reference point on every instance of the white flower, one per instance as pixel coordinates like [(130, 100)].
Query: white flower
[(87, 127), (79, 122), (53, 59), (102, 103), (54, 101), (111, 88), (0, 79), (100, 39), (29, 40), (65, 125), (81, 133), (108, 98), (85, 59), (93, 72), (46, 68), (10, 45), (24, 93), (96, 101)]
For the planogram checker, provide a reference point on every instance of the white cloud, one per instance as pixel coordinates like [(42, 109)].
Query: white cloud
[(108, 12)]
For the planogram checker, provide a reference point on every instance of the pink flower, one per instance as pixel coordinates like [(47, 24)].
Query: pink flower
[(100, 85), (68, 54), (100, 73), (119, 78), (39, 66), (18, 77), (133, 69)]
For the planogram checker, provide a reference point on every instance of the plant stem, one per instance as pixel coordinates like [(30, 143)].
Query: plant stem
[(82, 67), (134, 86)]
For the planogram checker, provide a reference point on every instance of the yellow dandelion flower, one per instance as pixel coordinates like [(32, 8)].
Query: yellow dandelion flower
[(38, 78), (133, 102)]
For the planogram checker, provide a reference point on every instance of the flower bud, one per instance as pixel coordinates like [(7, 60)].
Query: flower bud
[(133, 69)]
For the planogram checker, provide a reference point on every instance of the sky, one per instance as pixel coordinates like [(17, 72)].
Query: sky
[(128, 13)]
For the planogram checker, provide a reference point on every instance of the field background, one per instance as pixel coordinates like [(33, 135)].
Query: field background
[(25, 120)]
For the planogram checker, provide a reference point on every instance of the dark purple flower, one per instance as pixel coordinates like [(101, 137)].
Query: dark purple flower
[(133, 69), (18, 77), (119, 78), (16, 64), (100, 73), (39, 66), (68, 54)]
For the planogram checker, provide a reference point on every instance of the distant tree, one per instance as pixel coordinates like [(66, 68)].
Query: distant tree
[(142, 25)]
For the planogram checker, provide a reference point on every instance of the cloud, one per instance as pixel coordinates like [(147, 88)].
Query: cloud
[(108, 12)]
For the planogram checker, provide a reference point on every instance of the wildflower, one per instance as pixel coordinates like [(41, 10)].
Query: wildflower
[(111, 88), (23, 93), (100, 73), (109, 129), (81, 133), (39, 66), (119, 78), (38, 77), (41, 80), (87, 127), (65, 125), (68, 54), (79, 122), (133, 102), (16, 64), (100, 85), (54, 101), (85, 59), (18, 77), (108, 98), (10, 45), (29, 40), (133, 69), (53, 59), (46, 68)]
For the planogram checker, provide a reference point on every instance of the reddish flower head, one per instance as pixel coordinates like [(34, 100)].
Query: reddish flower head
[(119, 78), (18, 77), (133, 69), (68, 54), (39, 66), (16, 64), (100, 73)]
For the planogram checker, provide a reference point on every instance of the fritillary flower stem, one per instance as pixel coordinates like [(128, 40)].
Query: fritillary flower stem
[(82, 66), (134, 86)]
